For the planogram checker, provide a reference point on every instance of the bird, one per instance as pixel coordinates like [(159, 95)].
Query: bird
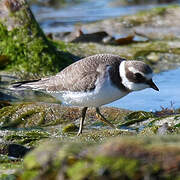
[(94, 81)]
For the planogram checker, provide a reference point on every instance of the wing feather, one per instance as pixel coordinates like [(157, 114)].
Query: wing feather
[(79, 76)]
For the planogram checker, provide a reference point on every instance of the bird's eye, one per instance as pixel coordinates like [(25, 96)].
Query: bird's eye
[(138, 75)]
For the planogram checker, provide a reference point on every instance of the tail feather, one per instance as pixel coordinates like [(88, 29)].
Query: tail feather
[(19, 83), (31, 84)]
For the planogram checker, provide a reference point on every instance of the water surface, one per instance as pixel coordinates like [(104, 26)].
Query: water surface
[(150, 100), (63, 19)]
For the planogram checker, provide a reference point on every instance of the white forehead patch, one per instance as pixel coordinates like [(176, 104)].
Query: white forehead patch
[(134, 70)]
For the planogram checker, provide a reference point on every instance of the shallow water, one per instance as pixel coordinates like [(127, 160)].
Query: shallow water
[(53, 19), (149, 100)]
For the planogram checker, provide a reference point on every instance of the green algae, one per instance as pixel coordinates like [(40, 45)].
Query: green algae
[(27, 48), (45, 115), (80, 170), (26, 137), (6, 114), (127, 157), (26, 115), (70, 128), (125, 166), (135, 117)]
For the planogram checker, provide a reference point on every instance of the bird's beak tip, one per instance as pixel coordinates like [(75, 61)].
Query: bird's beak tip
[(153, 86), (156, 89)]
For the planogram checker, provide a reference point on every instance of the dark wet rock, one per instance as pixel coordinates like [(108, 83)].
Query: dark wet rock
[(16, 150), (79, 36), (100, 36), (13, 150)]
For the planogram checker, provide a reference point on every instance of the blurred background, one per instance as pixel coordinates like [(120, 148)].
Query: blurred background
[(62, 15)]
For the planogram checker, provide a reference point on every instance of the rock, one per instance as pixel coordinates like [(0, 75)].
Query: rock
[(116, 159), (17, 151), (43, 114), (13, 150)]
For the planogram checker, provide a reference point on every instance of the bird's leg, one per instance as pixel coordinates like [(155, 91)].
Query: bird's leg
[(103, 119), (82, 120)]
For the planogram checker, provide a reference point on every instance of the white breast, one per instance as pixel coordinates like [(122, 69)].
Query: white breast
[(104, 93)]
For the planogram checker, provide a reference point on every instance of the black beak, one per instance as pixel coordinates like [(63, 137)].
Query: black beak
[(152, 85)]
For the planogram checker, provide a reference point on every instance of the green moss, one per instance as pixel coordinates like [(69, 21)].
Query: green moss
[(135, 117), (27, 47), (10, 164), (26, 137), (29, 175), (70, 128), (120, 158), (32, 162), (80, 170), (7, 113), (139, 115), (7, 177), (125, 166)]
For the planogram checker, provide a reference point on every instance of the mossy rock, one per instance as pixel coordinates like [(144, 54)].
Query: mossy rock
[(70, 128), (43, 114), (126, 157), (57, 119), (26, 137), (24, 44), (136, 117)]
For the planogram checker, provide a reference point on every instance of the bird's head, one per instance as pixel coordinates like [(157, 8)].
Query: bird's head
[(136, 75)]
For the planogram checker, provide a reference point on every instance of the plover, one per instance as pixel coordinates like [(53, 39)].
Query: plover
[(95, 81)]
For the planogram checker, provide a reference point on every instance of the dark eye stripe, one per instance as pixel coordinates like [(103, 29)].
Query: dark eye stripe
[(138, 76)]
